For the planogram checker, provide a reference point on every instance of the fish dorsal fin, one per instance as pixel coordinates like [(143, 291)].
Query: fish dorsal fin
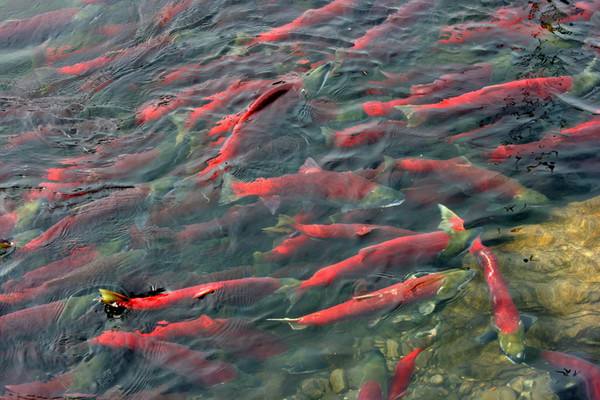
[(310, 166)]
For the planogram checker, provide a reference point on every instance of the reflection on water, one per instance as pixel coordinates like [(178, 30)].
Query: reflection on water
[(342, 199)]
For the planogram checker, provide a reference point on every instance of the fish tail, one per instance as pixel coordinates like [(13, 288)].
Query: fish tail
[(285, 224), (227, 193), (450, 223), (110, 297), (292, 322)]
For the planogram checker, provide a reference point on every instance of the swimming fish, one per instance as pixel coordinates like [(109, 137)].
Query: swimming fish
[(286, 223), (308, 18), (401, 252), (589, 371), (506, 316), (231, 147), (491, 98), (588, 131), (403, 374), (402, 17), (236, 291), (469, 177), (441, 286), (313, 182), (232, 335), (36, 27), (364, 134), (192, 365), (373, 381)]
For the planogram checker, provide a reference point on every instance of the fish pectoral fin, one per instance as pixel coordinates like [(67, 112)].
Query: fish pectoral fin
[(110, 297), (292, 322)]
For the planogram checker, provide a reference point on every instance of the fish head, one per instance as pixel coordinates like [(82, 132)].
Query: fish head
[(513, 345), (315, 79), (6, 246), (455, 281), (382, 197)]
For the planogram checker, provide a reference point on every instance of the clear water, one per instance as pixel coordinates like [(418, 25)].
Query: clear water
[(101, 169)]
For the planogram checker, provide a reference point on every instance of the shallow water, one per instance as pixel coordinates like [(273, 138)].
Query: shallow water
[(125, 123)]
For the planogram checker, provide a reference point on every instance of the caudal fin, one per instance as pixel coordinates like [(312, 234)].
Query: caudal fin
[(110, 297), (284, 224), (451, 222)]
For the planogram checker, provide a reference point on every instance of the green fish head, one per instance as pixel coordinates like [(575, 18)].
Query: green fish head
[(455, 281), (382, 197), (513, 345), (315, 79)]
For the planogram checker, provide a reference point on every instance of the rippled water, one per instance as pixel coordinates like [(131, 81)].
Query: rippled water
[(127, 131)]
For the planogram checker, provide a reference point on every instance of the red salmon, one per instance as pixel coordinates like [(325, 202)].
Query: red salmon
[(234, 291), (506, 316), (400, 252), (192, 365), (403, 374), (308, 18)]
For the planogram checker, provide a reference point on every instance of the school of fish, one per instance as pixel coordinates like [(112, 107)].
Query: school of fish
[(201, 176)]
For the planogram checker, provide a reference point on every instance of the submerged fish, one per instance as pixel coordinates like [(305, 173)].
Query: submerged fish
[(403, 374), (490, 98), (232, 145), (365, 134), (192, 365), (36, 27), (590, 372), (469, 177), (39, 319), (401, 252), (405, 15), (232, 335), (293, 246), (171, 10), (585, 132), (237, 291), (506, 316), (373, 383), (336, 231), (440, 286), (313, 182), (223, 98), (308, 18)]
